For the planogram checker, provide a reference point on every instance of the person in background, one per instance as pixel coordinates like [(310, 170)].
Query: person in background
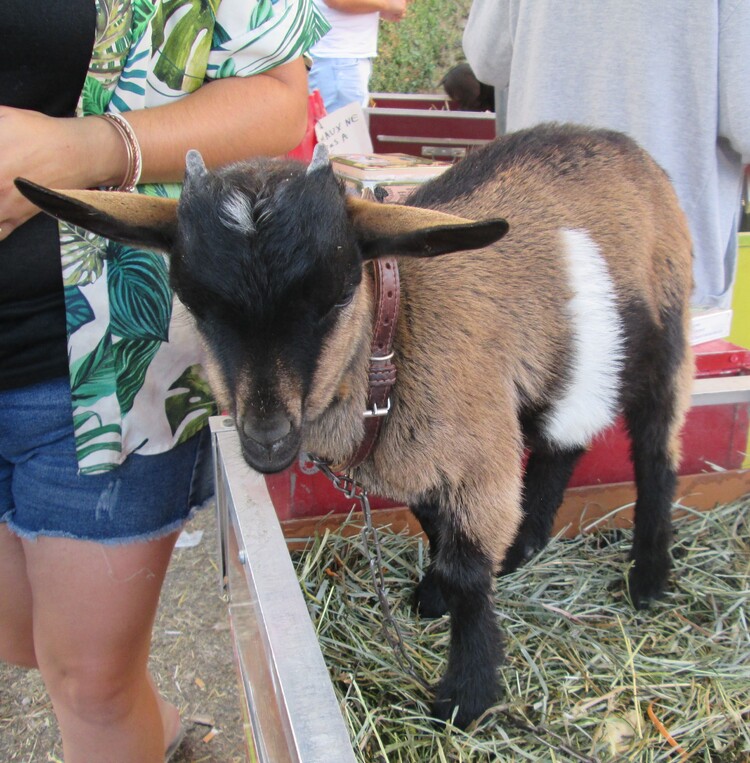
[(674, 75), (102, 403), (342, 60)]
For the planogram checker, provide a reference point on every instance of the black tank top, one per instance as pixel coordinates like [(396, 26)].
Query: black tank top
[(45, 49)]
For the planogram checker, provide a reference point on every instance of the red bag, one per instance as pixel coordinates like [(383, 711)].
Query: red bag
[(315, 110)]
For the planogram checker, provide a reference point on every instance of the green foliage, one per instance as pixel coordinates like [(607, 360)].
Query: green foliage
[(415, 53)]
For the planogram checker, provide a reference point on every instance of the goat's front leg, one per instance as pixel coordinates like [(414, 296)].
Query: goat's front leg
[(465, 577), (477, 525)]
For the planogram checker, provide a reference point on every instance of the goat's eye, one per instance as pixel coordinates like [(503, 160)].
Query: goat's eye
[(340, 304), (345, 300)]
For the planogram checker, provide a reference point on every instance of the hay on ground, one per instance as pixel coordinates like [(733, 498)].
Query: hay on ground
[(586, 676)]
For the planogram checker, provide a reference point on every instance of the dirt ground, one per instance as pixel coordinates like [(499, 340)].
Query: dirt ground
[(191, 661)]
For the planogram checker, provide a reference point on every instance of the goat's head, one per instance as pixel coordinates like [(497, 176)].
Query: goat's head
[(268, 257)]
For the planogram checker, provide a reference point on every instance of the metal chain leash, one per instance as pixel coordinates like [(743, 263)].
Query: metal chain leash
[(353, 490)]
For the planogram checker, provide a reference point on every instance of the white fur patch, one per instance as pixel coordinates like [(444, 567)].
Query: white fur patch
[(590, 401), (236, 213)]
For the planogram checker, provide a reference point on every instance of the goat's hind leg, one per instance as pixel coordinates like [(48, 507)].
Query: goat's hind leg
[(547, 474), (654, 417)]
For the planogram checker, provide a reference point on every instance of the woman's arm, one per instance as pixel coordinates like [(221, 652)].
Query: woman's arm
[(390, 10), (226, 120)]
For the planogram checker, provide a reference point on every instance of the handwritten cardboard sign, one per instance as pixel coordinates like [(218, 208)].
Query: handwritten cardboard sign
[(345, 131)]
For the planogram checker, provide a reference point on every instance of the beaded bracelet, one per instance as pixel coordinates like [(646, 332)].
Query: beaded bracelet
[(133, 173)]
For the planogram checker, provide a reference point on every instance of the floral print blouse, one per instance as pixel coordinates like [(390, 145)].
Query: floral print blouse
[(134, 357)]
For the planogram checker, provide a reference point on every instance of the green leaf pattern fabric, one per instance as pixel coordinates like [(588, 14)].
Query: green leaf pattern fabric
[(135, 359)]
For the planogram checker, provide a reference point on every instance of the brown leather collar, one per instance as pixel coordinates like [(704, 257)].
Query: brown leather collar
[(382, 373)]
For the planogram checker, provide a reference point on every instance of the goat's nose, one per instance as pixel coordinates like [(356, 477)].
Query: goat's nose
[(267, 430)]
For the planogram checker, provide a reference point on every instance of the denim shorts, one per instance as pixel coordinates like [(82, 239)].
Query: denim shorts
[(41, 492), (341, 81)]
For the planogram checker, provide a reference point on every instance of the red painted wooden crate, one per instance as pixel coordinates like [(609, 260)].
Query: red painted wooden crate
[(713, 436), (421, 129)]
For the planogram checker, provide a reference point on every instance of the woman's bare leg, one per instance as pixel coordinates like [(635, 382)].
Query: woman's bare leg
[(16, 637), (93, 611)]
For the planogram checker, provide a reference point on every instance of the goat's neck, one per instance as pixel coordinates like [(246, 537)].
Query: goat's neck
[(336, 432)]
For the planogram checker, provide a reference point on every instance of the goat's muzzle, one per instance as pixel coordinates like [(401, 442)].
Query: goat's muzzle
[(269, 443)]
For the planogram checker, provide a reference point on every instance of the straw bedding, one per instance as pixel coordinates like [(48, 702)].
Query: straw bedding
[(586, 676)]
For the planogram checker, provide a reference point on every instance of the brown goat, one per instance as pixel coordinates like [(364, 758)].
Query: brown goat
[(534, 342)]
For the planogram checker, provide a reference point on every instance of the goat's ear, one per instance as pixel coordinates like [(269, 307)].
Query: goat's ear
[(416, 232), (320, 158), (195, 168), (148, 221)]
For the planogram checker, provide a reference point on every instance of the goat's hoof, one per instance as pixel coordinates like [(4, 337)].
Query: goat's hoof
[(462, 707), (645, 586), (518, 554), (429, 601)]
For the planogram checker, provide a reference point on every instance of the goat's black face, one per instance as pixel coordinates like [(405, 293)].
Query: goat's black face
[(269, 266), (268, 257)]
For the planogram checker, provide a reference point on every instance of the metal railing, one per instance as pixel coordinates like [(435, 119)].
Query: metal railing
[(291, 707)]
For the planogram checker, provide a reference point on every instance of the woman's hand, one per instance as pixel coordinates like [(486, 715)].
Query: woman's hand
[(390, 10), (395, 10), (55, 152)]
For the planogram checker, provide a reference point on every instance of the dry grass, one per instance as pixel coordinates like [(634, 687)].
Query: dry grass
[(586, 676)]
